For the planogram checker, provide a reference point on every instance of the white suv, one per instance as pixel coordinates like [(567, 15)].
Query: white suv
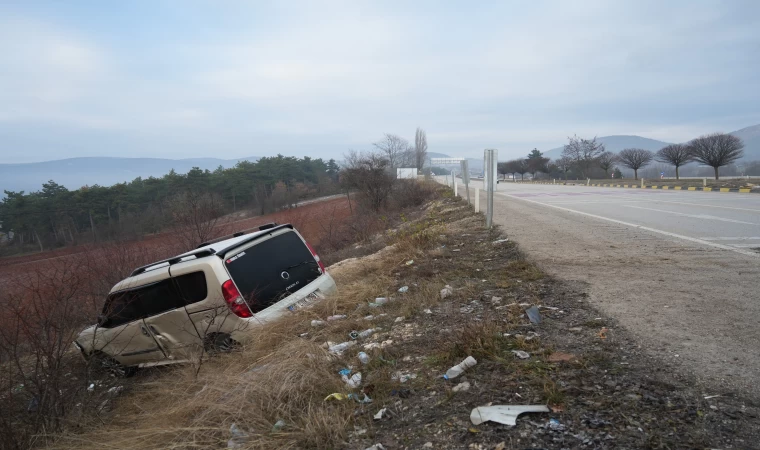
[(208, 298)]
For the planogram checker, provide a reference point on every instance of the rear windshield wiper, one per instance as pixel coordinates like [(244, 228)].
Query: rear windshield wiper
[(301, 264)]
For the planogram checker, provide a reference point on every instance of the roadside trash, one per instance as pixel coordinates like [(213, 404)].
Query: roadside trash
[(460, 368), (303, 335), (377, 446), (338, 349), (560, 357), (410, 262), (354, 381), (500, 241), (336, 396), (603, 333), (521, 354), (711, 396), (379, 302), (368, 332), (504, 414), (403, 377), (353, 334), (555, 425), (533, 314), (239, 437), (371, 345), (91, 387), (279, 425), (473, 430), (461, 387), (428, 311), (402, 393), (531, 335), (380, 413), (363, 357), (344, 372), (399, 319), (336, 317), (446, 291), (317, 323), (369, 317), (575, 329), (363, 399), (403, 289)]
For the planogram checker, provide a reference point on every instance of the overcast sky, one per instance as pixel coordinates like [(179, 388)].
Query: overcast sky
[(229, 79)]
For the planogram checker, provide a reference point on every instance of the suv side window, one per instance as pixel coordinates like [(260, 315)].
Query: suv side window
[(121, 308), (192, 287), (158, 297)]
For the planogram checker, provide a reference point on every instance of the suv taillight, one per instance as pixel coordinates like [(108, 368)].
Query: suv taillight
[(316, 258), (234, 300)]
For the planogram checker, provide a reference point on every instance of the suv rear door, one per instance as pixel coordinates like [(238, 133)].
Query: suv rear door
[(271, 268)]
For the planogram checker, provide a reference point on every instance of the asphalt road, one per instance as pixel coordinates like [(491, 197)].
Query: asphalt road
[(678, 269)]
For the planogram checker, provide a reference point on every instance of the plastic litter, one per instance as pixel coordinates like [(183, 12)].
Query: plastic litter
[(239, 437), (499, 241), (279, 425), (504, 414), (363, 357), (353, 334), (555, 425), (379, 301), (461, 387), (377, 446), (460, 368), (410, 262), (318, 323), (533, 314), (399, 319), (338, 349), (428, 311), (521, 354), (91, 387), (337, 396), (380, 413), (354, 381), (336, 317), (446, 291), (403, 289), (403, 377), (369, 332)]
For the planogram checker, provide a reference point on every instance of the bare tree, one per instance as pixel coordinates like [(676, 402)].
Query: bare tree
[(537, 164), (716, 150), (195, 216), (563, 164), (583, 153), (606, 161), (396, 150), (675, 154), (518, 166), (368, 173), (635, 158), (420, 148)]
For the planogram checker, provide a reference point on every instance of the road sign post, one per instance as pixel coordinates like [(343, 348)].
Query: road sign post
[(466, 177), (490, 157)]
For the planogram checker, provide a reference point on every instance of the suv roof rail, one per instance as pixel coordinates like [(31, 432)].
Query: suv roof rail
[(198, 254), (267, 226), (221, 252)]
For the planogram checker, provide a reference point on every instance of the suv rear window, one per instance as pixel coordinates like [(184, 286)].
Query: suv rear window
[(272, 270)]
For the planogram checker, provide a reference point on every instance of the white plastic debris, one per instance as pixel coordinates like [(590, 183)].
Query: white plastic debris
[(446, 291), (521, 354), (317, 323), (460, 368), (336, 317), (354, 381), (499, 241), (399, 319), (403, 289), (368, 333), (504, 414), (410, 262), (428, 311), (377, 446), (380, 413), (239, 437), (91, 387), (461, 387), (403, 377), (338, 349), (363, 357)]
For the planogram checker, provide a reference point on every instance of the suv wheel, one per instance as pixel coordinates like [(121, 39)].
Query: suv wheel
[(219, 343), (110, 365)]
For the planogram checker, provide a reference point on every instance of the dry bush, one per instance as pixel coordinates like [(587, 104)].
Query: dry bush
[(410, 193), (195, 216)]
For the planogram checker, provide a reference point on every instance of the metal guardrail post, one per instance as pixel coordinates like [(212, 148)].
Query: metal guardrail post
[(490, 157)]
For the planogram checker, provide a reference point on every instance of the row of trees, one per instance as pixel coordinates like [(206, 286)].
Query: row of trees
[(56, 215), (397, 152), (586, 156)]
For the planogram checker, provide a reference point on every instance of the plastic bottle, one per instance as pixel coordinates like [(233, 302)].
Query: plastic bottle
[(368, 333), (340, 348), (363, 357), (460, 368)]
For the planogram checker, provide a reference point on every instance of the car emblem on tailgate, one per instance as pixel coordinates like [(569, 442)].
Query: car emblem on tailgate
[(285, 275)]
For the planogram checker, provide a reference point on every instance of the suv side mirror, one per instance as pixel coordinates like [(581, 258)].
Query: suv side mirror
[(102, 320)]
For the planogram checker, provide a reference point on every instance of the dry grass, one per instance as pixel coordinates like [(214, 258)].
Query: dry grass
[(281, 376)]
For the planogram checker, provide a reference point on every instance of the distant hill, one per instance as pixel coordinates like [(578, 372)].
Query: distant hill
[(616, 143), (751, 138), (105, 171)]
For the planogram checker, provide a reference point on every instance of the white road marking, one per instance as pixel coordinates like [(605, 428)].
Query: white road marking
[(695, 216), (641, 227), (709, 206), (746, 245), (725, 238)]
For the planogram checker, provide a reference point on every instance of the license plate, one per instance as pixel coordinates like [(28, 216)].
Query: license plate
[(306, 300)]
